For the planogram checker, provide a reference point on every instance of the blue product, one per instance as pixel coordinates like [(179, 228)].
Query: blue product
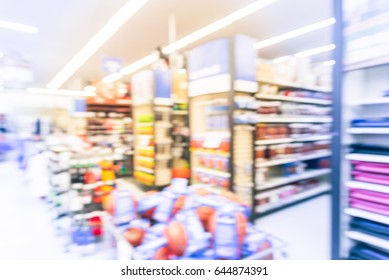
[(208, 254), (290, 168), (198, 239), (226, 239), (164, 210), (149, 202), (154, 232), (124, 211), (82, 234), (139, 223), (147, 250)]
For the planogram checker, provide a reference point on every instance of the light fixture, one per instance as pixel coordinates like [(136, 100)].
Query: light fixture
[(108, 30), (2, 88), (329, 63), (193, 37), (61, 92), (294, 33), (90, 88), (112, 78), (315, 51), (1, 54), (306, 53), (281, 59), (139, 64), (217, 25), (18, 27)]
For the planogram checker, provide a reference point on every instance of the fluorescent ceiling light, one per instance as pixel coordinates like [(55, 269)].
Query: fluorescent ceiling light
[(193, 37), (315, 51), (281, 59), (217, 25), (139, 64), (90, 88), (329, 63), (294, 33), (61, 92), (1, 88), (18, 27), (108, 30), (306, 53), (112, 78), (1, 54)]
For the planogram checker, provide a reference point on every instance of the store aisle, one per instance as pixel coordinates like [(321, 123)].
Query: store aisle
[(25, 232)]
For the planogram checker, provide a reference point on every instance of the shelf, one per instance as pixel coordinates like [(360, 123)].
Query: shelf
[(368, 158), (151, 159), (296, 86), (368, 130), (368, 239), (373, 101), (367, 215), (294, 99), (204, 153), (162, 142), (163, 157), (181, 112), (274, 162), (368, 186), (144, 169), (212, 172), (283, 181), (293, 119), (290, 140), (293, 199), (144, 124)]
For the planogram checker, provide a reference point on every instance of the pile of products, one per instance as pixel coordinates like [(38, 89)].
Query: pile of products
[(293, 130), (273, 90), (292, 109), (290, 169), (289, 149), (181, 222)]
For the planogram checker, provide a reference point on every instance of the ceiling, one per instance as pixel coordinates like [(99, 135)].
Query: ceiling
[(66, 26)]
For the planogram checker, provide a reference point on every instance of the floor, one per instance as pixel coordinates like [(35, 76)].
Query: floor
[(26, 231), (305, 228)]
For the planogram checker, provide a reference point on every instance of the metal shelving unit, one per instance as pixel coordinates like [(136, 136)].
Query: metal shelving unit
[(222, 149), (270, 186), (359, 86), (152, 110)]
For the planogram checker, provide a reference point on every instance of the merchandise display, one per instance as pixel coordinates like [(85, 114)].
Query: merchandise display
[(178, 229), (364, 196), (221, 126), (291, 154), (152, 111), (180, 129)]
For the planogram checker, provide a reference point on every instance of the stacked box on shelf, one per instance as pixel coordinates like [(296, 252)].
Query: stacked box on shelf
[(152, 109), (293, 143)]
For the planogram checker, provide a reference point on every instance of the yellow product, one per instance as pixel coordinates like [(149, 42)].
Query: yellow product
[(146, 152)]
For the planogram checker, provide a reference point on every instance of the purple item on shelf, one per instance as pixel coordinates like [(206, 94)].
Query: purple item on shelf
[(369, 206), (378, 197), (371, 167), (370, 178)]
